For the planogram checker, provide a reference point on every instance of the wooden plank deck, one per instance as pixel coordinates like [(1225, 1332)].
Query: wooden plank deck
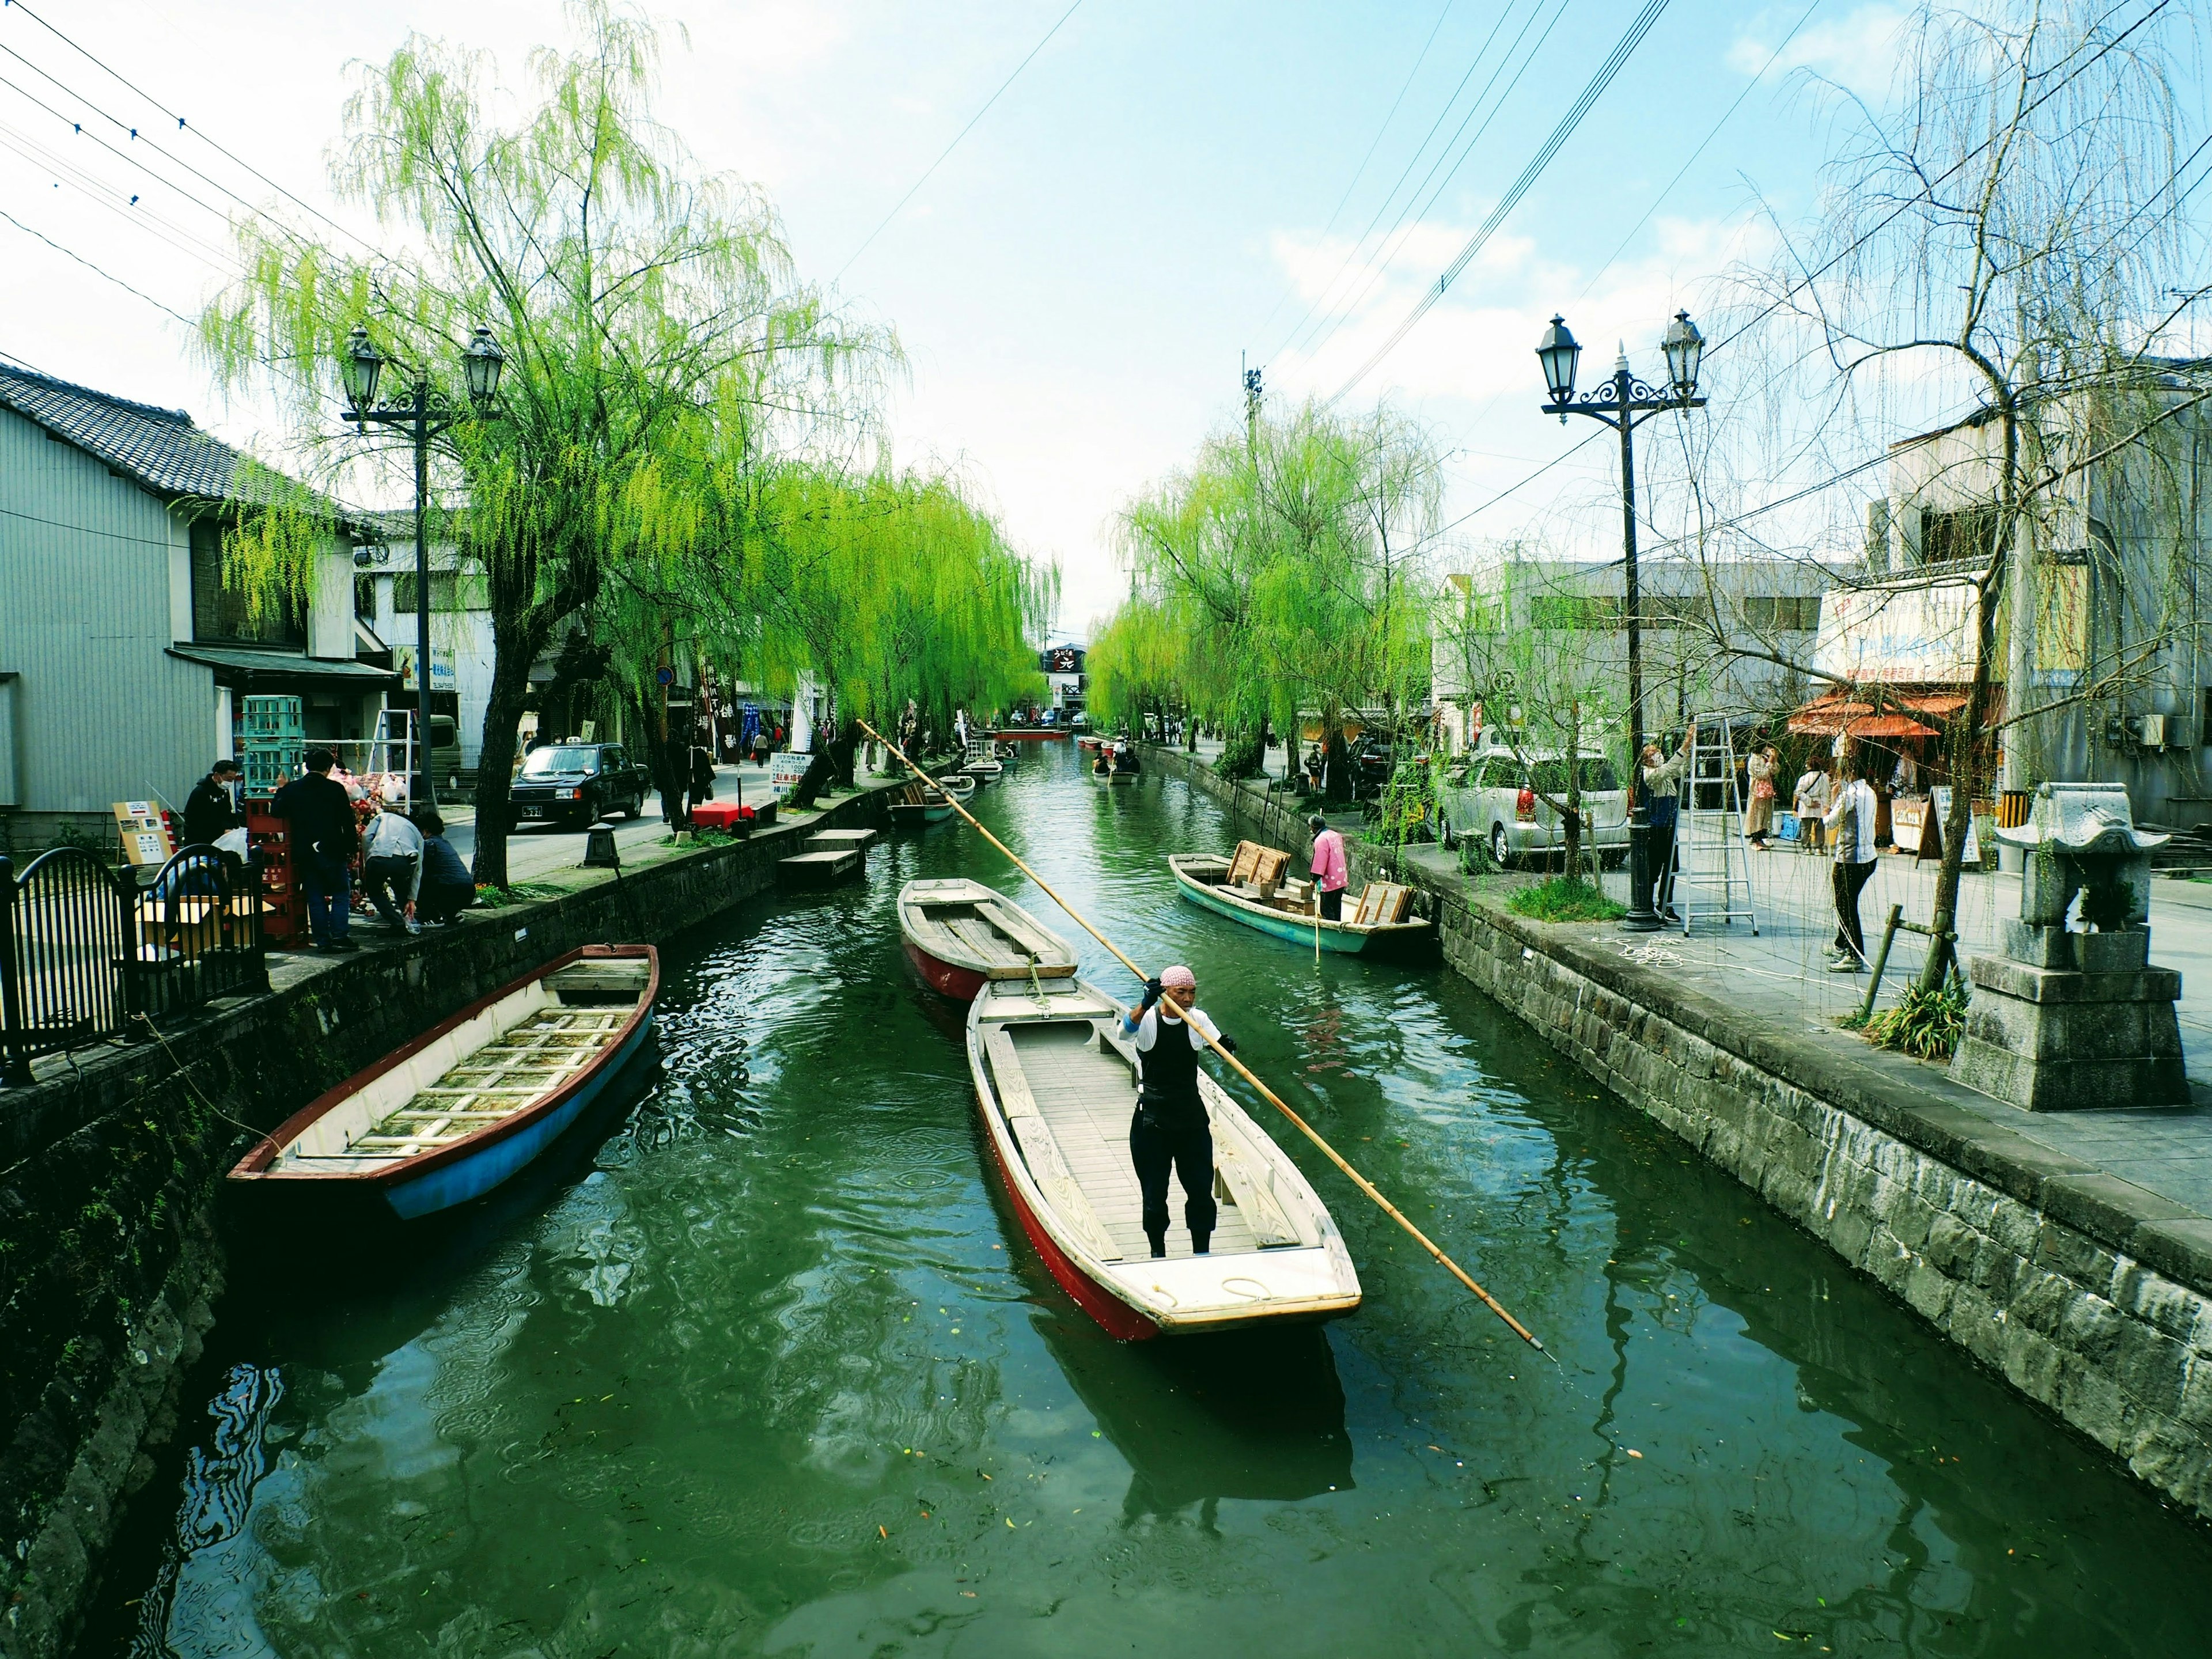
[(1087, 1094)]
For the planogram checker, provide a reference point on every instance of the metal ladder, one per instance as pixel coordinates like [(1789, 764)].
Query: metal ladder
[(1709, 842)]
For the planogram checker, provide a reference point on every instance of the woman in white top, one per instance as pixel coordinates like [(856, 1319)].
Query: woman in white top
[(392, 867), (1851, 822), (1810, 800)]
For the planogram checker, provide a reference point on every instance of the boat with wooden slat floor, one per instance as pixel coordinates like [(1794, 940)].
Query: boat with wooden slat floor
[(1251, 886), (961, 935), (1056, 1085), (919, 804), (472, 1100)]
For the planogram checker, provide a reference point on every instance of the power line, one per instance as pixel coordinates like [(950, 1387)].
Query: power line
[(1360, 172), (1611, 66), (1413, 162), (957, 137), (96, 270), (121, 79)]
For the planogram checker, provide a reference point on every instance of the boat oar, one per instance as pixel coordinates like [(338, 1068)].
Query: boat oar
[(1242, 1070)]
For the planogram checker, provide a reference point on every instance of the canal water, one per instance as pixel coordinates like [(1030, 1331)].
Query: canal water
[(767, 1368)]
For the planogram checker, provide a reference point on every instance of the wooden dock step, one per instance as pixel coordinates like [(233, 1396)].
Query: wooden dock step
[(819, 869)]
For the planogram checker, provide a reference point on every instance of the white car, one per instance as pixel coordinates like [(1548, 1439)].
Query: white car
[(1493, 795)]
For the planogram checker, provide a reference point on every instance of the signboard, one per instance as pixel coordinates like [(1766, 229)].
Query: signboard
[(145, 835), (1061, 660), (786, 768), (1929, 844), (442, 677), (1904, 634)]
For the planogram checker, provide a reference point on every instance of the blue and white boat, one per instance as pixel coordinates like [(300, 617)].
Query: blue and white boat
[(471, 1102)]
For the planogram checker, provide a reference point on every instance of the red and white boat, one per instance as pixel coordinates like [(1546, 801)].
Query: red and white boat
[(1056, 1086), (962, 934)]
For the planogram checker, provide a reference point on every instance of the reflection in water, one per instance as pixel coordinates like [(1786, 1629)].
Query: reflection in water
[(766, 1367)]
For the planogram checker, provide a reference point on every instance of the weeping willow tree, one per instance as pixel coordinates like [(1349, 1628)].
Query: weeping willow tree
[(1282, 574), (636, 297)]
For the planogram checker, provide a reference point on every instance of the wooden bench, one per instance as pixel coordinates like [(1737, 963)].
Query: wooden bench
[(1381, 904)]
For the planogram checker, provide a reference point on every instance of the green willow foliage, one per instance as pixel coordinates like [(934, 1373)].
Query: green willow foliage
[(677, 405), (1283, 574)]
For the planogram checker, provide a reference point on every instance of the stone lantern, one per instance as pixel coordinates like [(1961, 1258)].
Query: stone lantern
[(2073, 1015)]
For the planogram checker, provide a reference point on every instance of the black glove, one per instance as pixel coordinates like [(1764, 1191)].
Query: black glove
[(1228, 1044), (1153, 989)]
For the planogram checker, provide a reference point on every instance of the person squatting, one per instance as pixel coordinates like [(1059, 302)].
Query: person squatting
[(1170, 1130)]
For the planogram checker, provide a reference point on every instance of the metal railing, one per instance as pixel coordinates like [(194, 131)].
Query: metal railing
[(87, 956)]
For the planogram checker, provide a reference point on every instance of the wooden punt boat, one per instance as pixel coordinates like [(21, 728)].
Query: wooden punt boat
[(1056, 1087), (959, 785), (961, 935), (1246, 889), (984, 771), (919, 804), (1110, 778), (474, 1100), (1032, 734)]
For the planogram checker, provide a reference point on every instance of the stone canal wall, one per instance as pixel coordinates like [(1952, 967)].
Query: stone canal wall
[(2088, 1294), (110, 1257)]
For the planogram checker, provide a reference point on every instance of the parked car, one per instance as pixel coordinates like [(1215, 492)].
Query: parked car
[(576, 783), (1496, 796)]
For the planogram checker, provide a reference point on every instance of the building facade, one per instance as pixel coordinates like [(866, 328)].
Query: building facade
[(123, 655)]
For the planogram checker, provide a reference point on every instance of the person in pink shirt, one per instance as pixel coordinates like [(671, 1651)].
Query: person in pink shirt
[(1329, 874)]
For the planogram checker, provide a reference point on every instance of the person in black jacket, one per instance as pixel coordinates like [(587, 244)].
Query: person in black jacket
[(1171, 1131), (211, 811), (447, 888), (325, 834)]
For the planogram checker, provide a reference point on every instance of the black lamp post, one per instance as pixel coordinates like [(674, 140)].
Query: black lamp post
[(422, 419), (1624, 402)]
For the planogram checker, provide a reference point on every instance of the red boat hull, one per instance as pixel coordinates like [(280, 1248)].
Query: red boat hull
[(960, 984), (1115, 1317)]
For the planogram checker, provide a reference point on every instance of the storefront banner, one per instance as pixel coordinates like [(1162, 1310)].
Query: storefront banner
[(1921, 634)]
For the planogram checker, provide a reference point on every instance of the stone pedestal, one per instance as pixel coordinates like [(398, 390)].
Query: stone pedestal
[(2075, 1019), (2058, 1039)]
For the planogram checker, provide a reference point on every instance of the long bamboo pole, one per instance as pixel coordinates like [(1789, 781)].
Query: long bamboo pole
[(1242, 1070)]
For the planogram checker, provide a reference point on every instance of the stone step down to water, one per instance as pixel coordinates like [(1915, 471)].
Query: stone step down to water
[(819, 869), (836, 841)]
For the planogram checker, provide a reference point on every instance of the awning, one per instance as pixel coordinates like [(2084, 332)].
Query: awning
[(244, 665), (1826, 716)]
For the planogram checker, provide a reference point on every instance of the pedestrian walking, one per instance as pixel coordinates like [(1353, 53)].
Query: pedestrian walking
[(1171, 1131), (1810, 800), (1760, 767), (1329, 872), (703, 775), (1851, 822), (324, 835), (447, 888), (392, 869), (1663, 785)]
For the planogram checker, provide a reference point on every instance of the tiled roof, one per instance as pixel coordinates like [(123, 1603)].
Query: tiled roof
[(161, 448)]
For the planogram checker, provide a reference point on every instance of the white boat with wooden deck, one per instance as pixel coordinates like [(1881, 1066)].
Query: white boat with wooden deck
[(1250, 886), (960, 934), (919, 804), (1056, 1087), (472, 1102)]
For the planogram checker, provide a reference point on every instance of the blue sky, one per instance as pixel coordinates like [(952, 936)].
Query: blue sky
[(1074, 285)]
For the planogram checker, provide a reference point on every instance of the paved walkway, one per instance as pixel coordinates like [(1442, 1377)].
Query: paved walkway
[(1780, 974)]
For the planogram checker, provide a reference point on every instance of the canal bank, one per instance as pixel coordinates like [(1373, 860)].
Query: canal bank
[(111, 1258), (2089, 1293), (768, 1366)]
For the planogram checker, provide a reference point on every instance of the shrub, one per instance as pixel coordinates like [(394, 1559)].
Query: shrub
[(1241, 756), (1563, 898), (1926, 1024)]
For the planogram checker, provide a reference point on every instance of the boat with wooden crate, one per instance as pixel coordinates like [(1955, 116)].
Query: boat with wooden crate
[(1111, 775), (475, 1099), (1252, 886), (961, 935), (1056, 1085), (919, 804)]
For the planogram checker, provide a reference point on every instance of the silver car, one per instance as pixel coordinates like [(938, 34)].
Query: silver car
[(1496, 796)]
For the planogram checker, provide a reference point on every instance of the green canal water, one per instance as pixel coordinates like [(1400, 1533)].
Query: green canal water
[(767, 1368)]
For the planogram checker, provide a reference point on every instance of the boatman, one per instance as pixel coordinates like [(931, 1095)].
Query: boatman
[(1329, 874), (1170, 1130)]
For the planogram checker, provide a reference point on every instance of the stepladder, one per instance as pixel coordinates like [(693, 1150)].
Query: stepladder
[(1712, 879)]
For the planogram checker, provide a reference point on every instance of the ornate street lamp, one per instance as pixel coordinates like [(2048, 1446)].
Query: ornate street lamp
[(422, 419), (1623, 402)]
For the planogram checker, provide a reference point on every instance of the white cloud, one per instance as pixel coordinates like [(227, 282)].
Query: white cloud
[(1858, 51)]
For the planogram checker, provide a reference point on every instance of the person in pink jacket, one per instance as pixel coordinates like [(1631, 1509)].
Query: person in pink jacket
[(1330, 876)]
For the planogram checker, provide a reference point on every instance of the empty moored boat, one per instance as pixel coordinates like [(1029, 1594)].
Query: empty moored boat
[(962, 934), (1250, 887), (921, 803), (1056, 1086), (472, 1100)]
